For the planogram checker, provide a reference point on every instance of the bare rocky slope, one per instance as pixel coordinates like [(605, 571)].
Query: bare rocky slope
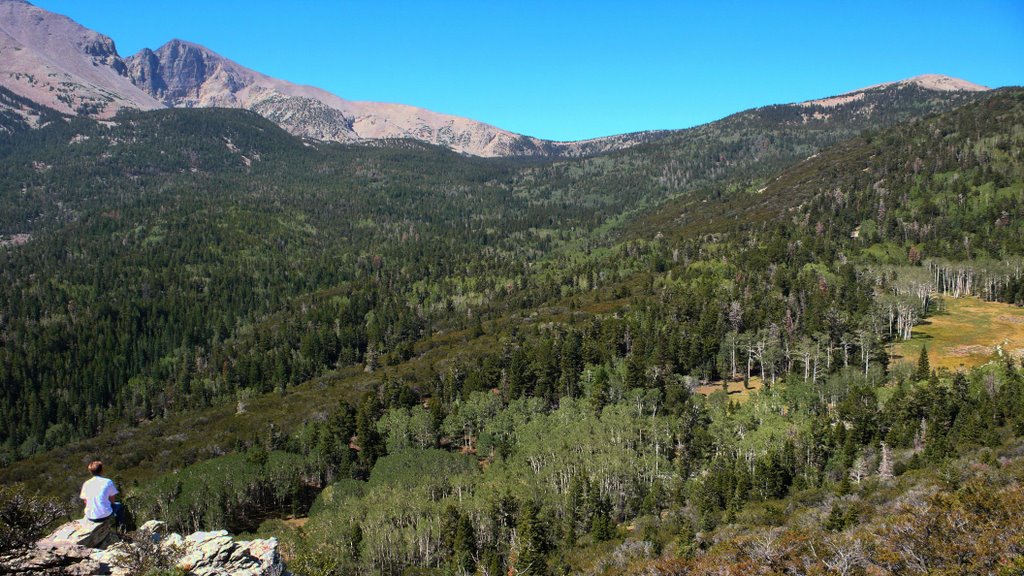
[(54, 61)]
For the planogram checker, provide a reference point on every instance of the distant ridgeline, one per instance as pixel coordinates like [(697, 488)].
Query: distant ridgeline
[(458, 364)]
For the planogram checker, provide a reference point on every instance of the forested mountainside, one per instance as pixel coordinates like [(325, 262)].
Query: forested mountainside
[(561, 430), (166, 260), (690, 177)]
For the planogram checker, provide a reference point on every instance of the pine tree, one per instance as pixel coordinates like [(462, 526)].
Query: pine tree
[(923, 368), (836, 520), (464, 546), (371, 445), (598, 396), (686, 542), (601, 525), (531, 546)]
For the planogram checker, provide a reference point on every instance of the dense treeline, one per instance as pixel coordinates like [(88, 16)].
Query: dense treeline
[(199, 291), (169, 260), (491, 483), (945, 186)]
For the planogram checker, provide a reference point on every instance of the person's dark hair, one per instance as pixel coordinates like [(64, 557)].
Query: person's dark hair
[(96, 467)]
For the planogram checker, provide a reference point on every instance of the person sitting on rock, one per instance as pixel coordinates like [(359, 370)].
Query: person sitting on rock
[(99, 495)]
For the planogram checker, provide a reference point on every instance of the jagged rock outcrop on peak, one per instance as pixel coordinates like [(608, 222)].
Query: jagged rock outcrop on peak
[(185, 75), (52, 60), (213, 553)]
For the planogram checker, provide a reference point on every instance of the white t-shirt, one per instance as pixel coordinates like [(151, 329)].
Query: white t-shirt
[(97, 492)]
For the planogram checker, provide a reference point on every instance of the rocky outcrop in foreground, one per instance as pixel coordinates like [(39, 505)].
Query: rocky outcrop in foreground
[(83, 548)]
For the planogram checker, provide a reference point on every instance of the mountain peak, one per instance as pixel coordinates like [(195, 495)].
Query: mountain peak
[(182, 73), (942, 83), (52, 60), (934, 82)]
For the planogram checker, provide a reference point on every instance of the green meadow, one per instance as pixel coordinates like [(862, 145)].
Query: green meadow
[(966, 332)]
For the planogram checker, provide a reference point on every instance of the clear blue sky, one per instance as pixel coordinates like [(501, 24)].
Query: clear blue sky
[(571, 70)]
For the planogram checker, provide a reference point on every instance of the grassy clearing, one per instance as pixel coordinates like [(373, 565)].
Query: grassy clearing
[(967, 332)]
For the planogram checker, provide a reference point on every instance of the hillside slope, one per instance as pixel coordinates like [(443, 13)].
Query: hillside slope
[(314, 331), (395, 231)]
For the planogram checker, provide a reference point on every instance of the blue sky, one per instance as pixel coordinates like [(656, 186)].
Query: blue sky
[(572, 70)]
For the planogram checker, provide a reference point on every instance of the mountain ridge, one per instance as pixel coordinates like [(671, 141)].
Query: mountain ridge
[(185, 74), (51, 60)]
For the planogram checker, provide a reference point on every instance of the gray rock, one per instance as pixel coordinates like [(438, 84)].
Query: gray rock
[(154, 527), (216, 554), (83, 533), (213, 553), (54, 558)]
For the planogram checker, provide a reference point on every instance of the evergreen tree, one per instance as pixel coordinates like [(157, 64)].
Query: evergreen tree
[(369, 440), (530, 553), (923, 369)]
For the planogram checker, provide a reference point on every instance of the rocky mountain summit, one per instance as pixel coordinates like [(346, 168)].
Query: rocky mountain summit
[(85, 548), (185, 75), (54, 61), (931, 82)]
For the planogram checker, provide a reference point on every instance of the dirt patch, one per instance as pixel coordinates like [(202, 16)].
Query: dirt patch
[(16, 240), (1011, 319), (736, 390), (295, 522), (969, 350)]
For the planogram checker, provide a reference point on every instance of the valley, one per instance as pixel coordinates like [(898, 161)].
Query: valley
[(443, 348)]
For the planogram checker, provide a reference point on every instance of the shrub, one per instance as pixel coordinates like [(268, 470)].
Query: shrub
[(24, 517)]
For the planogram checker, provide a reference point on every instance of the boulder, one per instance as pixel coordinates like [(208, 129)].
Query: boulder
[(83, 532), (154, 527), (216, 554)]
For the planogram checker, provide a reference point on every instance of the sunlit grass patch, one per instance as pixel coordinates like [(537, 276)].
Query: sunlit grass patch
[(967, 332)]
